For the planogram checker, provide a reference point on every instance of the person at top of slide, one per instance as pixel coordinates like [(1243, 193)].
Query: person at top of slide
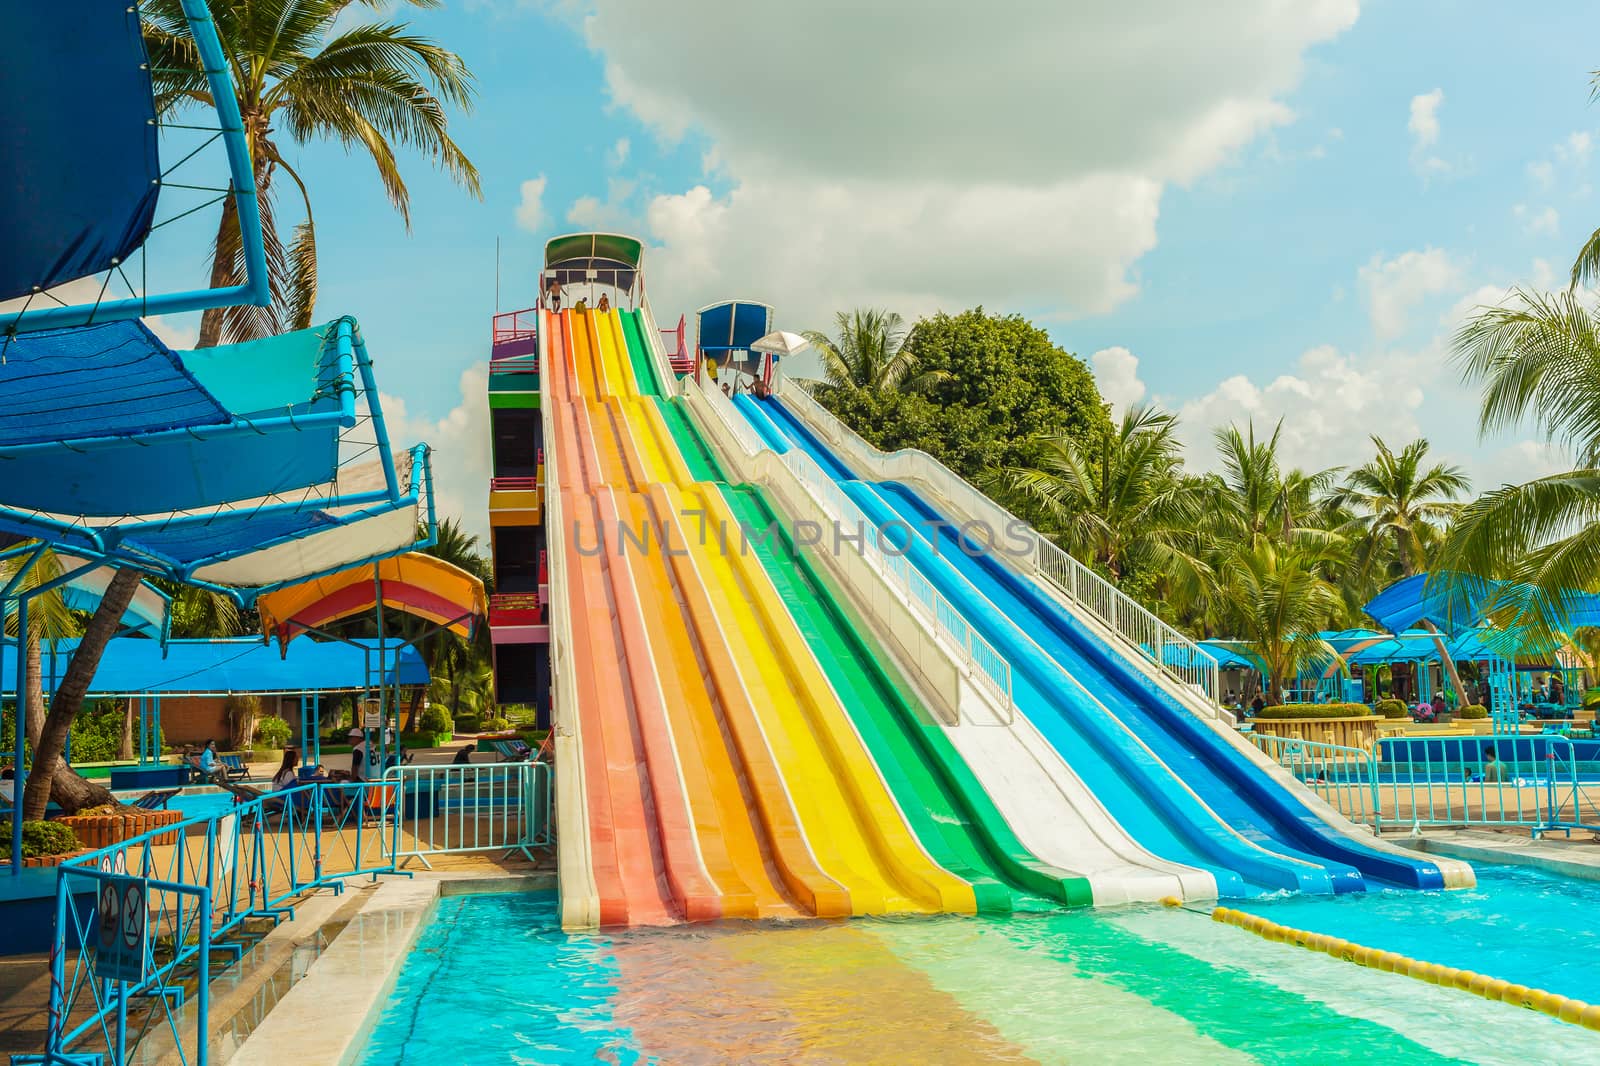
[(604, 305), (553, 291)]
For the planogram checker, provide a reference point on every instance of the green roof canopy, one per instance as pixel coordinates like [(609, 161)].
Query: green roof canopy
[(609, 249)]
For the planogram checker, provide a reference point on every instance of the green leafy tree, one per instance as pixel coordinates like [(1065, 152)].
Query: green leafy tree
[(1117, 500), (996, 389), (1538, 359), (1280, 601), (308, 70), (868, 351), (1402, 502)]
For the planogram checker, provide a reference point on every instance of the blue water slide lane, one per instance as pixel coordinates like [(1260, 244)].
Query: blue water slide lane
[(770, 435), (1237, 791), (1255, 804), (1155, 808)]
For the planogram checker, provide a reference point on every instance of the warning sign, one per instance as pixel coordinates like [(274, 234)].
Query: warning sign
[(123, 928)]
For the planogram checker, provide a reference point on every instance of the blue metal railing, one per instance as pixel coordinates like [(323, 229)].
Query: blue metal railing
[(206, 877), (1531, 781)]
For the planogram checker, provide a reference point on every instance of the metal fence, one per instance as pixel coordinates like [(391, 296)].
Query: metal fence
[(981, 660), (1143, 633), (214, 884), (1527, 781), (456, 809)]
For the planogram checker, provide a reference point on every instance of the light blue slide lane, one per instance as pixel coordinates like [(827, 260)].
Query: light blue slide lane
[(1248, 800), (1157, 812)]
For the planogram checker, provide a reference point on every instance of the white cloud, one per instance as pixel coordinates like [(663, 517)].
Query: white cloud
[(1394, 287), (1542, 173), (1328, 405), (1424, 124), (1536, 220), (936, 184), (1116, 371), (1424, 127), (619, 152), (1522, 461), (460, 442), (611, 214), (530, 208), (1575, 149)]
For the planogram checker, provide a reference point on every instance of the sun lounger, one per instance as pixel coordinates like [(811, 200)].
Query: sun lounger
[(155, 801), (235, 765)]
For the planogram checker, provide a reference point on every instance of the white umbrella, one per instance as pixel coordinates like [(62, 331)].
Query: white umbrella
[(781, 342)]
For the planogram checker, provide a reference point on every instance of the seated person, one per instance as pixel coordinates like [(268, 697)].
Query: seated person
[(464, 755), (209, 765)]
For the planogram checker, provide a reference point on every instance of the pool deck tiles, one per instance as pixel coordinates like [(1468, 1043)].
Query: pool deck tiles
[(1574, 858)]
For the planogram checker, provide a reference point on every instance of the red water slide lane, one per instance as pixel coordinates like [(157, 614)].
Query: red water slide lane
[(638, 815)]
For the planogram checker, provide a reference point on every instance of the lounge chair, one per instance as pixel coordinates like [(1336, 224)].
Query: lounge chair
[(235, 765), (155, 801)]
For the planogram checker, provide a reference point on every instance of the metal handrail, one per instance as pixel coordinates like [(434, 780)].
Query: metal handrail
[(1345, 778), (1172, 653), (980, 659)]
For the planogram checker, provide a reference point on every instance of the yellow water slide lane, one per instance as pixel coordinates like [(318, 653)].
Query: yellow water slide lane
[(855, 828)]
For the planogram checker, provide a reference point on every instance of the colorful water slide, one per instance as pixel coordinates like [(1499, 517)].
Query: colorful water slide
[(852, 819), (1271, 825), (1054, 812), (721, 773)]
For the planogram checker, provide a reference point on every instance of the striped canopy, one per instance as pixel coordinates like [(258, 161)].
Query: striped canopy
[(414, 584)]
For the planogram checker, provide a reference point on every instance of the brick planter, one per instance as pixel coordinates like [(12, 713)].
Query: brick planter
[(102, 830), (54, 860)]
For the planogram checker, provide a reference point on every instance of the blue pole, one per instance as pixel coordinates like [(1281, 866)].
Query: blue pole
[(21, 779), (383, 714)]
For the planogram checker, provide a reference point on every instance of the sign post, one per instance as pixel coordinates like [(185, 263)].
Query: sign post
[(123, 929)]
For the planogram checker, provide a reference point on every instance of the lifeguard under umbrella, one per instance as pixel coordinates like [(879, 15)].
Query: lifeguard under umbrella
[(776, 345)]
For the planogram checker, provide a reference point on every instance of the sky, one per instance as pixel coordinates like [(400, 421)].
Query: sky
[(1245, 209)]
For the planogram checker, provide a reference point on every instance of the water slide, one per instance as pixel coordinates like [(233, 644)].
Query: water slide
[(1204, 790), (1054, 813), (721, 774)]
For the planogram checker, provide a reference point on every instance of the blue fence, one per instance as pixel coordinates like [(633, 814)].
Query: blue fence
[(209, 887), (1539, 782)]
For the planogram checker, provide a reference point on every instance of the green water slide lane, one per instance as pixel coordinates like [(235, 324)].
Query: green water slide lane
[(644, 368)]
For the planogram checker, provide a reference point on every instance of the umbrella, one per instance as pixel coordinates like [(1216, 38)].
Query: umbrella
[(780, 343)]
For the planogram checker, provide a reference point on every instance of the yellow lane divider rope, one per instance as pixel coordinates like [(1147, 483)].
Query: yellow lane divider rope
[(1574, 1011)]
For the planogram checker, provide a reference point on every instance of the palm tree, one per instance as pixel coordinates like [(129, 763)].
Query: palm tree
[(1262, 501), (869, 352), (1116, 500), (1400, 500), (1538, 358), (1279, 604), (305, 69)]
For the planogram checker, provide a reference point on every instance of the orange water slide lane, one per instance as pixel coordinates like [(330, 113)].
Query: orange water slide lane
[(858, 833), (602, 838), (630, 865), (785, 854)]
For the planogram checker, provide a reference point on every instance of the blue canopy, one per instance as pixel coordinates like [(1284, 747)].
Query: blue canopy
[(731, 327), (133, 666), (1449, 605), (80, 160), (108, 421), (1229, 657)]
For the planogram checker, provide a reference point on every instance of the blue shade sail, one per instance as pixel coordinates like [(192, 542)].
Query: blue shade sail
[(79, 175), (734, 325), (106, 421)]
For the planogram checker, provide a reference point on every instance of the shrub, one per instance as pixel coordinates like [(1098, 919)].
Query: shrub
[(467, 723), (43, 838), (1316, 710), (494, 725), (520, 714), (1473, 710), (273, 732), (1591, 699), (436, 720), (1393, 708)]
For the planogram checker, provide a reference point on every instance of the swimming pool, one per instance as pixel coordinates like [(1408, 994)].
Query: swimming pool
[(492, 980)]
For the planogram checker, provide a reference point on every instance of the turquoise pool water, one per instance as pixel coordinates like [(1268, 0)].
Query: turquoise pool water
[(1520, 925), (493, 980)]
